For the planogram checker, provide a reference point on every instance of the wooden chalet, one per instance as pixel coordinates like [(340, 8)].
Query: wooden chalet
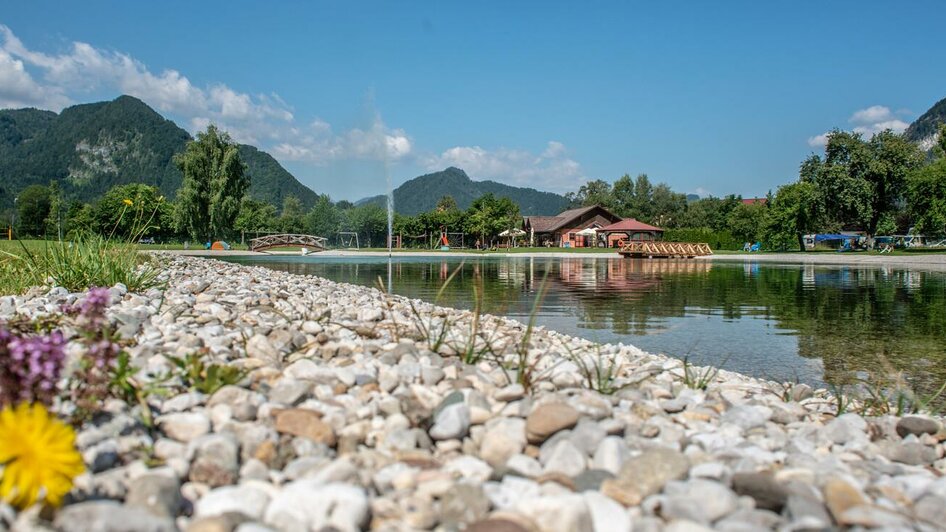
[(628, 230), (563, 230)]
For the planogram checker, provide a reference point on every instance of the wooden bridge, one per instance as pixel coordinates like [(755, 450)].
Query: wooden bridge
[(312, 243), (664, 250)]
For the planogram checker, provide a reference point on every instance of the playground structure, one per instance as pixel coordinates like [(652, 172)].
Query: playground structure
[(643, 249), (348, 240), (308, 242)]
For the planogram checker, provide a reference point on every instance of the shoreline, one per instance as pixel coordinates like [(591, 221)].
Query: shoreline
[(933, 261), (363, 402)]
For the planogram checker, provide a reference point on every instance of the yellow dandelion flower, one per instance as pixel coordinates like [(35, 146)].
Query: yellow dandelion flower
[(38, 454), (128, 202)]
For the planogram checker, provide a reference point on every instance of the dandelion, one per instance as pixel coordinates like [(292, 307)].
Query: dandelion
[(128, 202), (38, 455)]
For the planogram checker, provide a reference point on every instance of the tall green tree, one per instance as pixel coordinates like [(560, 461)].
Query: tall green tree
[(927, 198), (125, 209), (292, 218), (488, 216), (256, 216), (595, 192), (32, 210), (214, 184), (324, 218), (792, 212)]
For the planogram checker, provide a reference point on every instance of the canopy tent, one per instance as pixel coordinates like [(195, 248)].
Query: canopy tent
[(834, 236)]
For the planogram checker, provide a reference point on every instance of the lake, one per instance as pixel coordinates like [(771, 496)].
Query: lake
[(786, 322)]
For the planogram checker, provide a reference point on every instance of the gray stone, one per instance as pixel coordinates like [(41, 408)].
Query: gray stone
[(917, 426), (184, 426), (158, 494), (462, 505), (245, 499), (451, 422), (242, 402), (646, 474), (846, 428), (749, 521), (110, 516), (768, 494), (606, 514), (747, 417), (556, 513), (801, 508), (504, 437), (911, 453), (591, 479), (702, 501), (513, 392), (290, 391), (610, 454), (932, 509), (672, 406), (563, 457), (216, 460), (312, 505), (587, 435)]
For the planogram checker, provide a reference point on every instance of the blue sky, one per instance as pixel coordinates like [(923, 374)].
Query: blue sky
[(710, 97)]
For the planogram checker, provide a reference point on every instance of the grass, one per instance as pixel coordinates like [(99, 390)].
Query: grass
[(77, 265)]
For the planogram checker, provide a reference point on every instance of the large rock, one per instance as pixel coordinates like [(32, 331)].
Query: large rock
[(557, 513), (768, 494), (216, 460), (504, 438), (917, 426), (451, 422), (184, 426), (311, 505), (462, 505), (242, 402), (158, 494), (306, 424), (548, 419), (646, 474), (701, 501), (840, 496), (110, 516)]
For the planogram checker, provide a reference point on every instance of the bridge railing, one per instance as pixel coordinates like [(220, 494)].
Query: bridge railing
[(665, 249), (275, 241)]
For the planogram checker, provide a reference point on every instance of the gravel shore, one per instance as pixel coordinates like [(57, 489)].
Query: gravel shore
[(357, 412)]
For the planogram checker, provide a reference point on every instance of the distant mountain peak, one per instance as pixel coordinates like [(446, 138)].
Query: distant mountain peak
[(924, 131), (422, 193)]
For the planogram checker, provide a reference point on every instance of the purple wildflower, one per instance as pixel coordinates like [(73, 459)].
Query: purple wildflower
[(91, 310), (30, 366)]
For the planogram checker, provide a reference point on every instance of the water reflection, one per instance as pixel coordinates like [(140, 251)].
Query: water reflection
[(813, 323)]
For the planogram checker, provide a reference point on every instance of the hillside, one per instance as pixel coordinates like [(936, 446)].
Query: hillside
[(89, 148), (422, 193), (925, 128)]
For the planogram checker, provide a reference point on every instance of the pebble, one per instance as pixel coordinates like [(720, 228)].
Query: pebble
[(548, 419)]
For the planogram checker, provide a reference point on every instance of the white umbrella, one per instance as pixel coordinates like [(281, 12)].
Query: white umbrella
[(512, 232), (587, 232)]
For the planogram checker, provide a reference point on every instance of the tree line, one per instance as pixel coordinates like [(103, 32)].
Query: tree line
[(881, 185)]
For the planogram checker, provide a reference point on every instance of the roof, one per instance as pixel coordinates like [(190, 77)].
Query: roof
[(630, 224), (547, 224), (755, 201)]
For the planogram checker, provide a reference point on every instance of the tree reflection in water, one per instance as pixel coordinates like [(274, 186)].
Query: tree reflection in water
[(815, 323)]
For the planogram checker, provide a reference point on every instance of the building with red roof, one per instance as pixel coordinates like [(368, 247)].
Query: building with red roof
[(627, 230)]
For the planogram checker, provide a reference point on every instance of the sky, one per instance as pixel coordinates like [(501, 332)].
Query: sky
[(709, 97)]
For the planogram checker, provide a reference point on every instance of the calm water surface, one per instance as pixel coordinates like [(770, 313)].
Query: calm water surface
[(815, 324)]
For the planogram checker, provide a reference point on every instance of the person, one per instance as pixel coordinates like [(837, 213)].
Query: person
[(478, 245), (747, 246)]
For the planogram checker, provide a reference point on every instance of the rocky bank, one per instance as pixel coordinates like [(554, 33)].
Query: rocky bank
[(357, 412)]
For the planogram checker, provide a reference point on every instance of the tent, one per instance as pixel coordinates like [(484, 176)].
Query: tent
[(220, 245)]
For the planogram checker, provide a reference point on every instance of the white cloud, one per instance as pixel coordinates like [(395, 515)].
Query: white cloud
[(57, 80), (868, 122), (552, 169)]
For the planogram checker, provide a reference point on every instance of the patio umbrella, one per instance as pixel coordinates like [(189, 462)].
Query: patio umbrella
[(512, 232)]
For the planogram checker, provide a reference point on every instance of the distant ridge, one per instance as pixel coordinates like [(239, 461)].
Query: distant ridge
[(924, 130), (422, 193), (92, 147)]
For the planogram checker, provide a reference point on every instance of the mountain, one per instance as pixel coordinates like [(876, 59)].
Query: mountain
[(924, 130), (421, 194), (91, 147)]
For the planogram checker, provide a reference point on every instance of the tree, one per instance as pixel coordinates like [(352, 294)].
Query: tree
[(667, 207), (447, 203), (32, 206), (323, 218), (488, 216), (861, 182), (80, 220), (255, 216), (370, 221), (792, 212), (747, 222), (596, 192), (927, 197), (214, 183), (292, 218)]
